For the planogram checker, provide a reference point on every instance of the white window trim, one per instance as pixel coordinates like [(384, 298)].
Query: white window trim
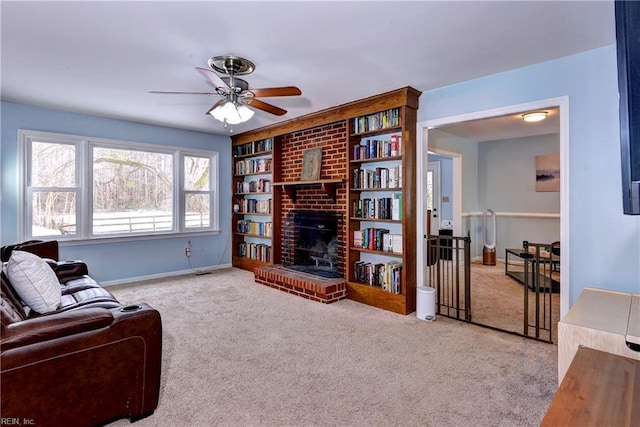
[(84, 178)]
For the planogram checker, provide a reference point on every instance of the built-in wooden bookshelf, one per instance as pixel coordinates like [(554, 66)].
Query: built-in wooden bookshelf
[(252, 219), (381, 174), (381, 264)]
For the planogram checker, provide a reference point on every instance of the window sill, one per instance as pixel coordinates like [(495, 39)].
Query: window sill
[(124, 239)]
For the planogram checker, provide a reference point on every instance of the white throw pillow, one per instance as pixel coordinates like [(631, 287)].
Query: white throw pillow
[(34, 281)]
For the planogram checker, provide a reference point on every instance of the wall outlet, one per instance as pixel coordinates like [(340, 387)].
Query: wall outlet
[(187, 250)]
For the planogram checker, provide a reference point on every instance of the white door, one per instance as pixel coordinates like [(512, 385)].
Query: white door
[(433, 195)]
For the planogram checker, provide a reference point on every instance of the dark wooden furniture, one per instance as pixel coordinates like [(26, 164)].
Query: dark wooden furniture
[(599, 389)]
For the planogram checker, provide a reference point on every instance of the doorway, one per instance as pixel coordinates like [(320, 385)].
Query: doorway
[(468, 216)]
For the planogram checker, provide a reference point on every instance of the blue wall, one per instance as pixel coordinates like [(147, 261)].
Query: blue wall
[(117, 260), (604, 243)]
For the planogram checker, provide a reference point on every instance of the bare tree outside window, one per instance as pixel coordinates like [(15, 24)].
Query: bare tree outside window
[(132, 191), (53, 174), (197, 185)]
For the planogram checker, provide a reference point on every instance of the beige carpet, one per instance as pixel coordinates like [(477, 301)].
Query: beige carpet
[(498, 300), (241, 354)]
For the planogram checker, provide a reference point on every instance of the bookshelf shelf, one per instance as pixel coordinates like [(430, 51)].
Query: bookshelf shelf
[(360, 190), (241, 175), (259, 236), (393, 221), (370, 251), (376, 159), (256, 154), (252, 213), (378, 132), (254, 193)]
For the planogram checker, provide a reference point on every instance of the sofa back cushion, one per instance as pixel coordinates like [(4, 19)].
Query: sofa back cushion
[(10, 306), (38, 247), (34, 281)]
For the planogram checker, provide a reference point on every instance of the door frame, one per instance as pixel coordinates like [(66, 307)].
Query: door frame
[(422, 145)]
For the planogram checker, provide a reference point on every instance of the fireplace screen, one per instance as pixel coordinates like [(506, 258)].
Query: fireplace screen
[(311, 243)]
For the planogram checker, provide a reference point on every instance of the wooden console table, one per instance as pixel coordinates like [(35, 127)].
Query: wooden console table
[(599, 389)]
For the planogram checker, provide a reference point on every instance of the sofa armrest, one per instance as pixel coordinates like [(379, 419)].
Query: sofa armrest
[(54, 326), (117, 366)]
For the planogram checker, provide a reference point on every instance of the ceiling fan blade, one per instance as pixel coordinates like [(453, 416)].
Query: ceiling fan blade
[(222, 101), (183, 93), (261, 105), (276, 91), (212, 77)]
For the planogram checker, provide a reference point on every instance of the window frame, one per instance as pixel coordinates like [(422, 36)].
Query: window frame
[(84, 187)]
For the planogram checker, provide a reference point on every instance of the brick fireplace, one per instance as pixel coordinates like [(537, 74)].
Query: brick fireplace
[(312, 199)]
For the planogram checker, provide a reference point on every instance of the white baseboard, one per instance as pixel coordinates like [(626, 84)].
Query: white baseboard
[(163, 275)]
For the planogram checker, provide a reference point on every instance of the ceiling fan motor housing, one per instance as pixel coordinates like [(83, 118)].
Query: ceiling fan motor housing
[(237, 84), (232, 65)]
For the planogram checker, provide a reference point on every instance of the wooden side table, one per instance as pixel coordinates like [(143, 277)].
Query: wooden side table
[(599, 389)]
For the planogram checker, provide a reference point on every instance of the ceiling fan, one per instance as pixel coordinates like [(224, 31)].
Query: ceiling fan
[(232, 108)]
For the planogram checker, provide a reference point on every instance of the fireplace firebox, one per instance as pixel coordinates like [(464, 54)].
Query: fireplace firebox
[(311, 243)]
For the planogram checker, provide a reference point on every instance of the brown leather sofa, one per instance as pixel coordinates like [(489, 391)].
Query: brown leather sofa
[(89, 362)]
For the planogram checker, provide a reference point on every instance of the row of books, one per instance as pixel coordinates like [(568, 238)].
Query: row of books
[(379, 208), (253, 227), (255, 251), (387, 276), (382, 120), (378, 178), (259, 186), (254, 147), (253, 166), (378, 149), (377, 239), (254, 206)]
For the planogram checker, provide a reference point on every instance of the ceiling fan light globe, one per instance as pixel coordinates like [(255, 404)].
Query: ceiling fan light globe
[(218, 113), (232, 113), (245, 113)]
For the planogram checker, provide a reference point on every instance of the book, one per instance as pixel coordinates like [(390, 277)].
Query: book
[(396, 207)]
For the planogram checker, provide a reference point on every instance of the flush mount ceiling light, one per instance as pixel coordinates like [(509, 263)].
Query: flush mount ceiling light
[(534, 116)]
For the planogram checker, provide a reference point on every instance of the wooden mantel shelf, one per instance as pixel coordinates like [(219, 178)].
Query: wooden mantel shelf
[(328, 186)]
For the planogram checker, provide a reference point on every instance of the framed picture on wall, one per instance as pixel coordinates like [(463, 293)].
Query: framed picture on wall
[(311, 163), (548, 172)]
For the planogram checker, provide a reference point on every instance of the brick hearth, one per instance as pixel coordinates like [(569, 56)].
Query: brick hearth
[(302, 284)]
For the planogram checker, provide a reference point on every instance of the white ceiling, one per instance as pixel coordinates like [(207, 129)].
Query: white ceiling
[(509, 126), (102, 58)]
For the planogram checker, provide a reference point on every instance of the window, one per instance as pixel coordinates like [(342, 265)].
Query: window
[(82, 188)]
